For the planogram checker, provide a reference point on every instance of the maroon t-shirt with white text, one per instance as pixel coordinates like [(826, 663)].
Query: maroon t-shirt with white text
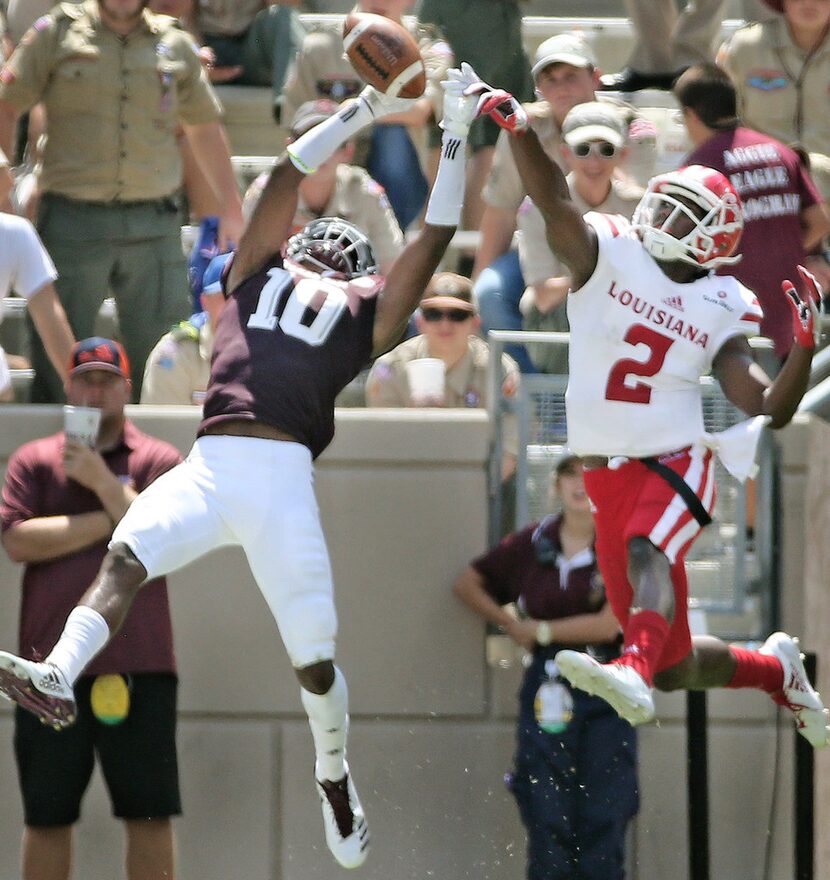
[(287, 342), (37, 486), (774, 187)]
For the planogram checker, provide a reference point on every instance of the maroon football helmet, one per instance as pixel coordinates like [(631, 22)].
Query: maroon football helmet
[(330, 244)]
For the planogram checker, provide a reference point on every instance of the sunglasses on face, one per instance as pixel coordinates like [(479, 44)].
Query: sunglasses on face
[(601, 149), (454, 315)]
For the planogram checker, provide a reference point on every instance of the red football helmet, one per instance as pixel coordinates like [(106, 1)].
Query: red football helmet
[(708, 200)]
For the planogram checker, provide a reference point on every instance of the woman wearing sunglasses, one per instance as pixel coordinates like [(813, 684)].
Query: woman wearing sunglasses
[(593, 149)]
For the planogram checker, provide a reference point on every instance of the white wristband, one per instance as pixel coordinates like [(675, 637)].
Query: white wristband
[(314, 147), (447, 196)]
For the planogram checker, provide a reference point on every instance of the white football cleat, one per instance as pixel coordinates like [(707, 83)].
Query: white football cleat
[(798, 695), (347, 833), (621, 686), (38, 687)]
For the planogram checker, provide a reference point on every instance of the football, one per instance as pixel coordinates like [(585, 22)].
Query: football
[(384, 54)]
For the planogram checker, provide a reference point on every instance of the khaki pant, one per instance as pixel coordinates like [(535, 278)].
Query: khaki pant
[(668, 40), (131, 251)]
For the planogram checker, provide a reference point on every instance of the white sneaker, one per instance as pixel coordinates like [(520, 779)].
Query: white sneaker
[(798, 695), (347, 833), (619, 685), (39, 687)]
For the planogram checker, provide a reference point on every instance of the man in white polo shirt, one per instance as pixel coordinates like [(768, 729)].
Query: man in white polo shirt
[(27, 270)]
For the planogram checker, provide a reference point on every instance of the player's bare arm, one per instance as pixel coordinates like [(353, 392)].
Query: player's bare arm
[(412, 270), (270, 223), (274, 214), (744, 382), (405, 284), (569, 236)]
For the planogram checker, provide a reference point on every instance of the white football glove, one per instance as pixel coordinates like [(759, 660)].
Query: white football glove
[(460, 108), (500, 105), (383, 105)]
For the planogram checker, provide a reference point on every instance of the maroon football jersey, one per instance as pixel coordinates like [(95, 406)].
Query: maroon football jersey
[(286, 343)]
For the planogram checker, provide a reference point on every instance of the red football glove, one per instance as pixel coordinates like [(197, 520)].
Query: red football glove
[(503, 109), (806, 311)]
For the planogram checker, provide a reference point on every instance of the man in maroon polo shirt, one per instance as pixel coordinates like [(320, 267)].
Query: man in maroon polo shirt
[(61, 502), (784, 214)]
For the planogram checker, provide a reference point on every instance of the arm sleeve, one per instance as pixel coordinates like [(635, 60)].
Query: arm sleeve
[(384, 385), (26, 74), (537, 260), (32, 267), (381, 225), (498, 566), (198, 103), (503, 188), (807, 189), (438, 59), (20, 491), (5, 374), (167, 378)]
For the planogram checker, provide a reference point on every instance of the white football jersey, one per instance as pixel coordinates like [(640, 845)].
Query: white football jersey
[(640, 343)]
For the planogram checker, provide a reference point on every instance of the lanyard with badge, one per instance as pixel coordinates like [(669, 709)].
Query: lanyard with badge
[(554, 704), (110, 699)]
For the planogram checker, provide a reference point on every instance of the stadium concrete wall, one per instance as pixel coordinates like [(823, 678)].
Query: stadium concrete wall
[(404, 502)]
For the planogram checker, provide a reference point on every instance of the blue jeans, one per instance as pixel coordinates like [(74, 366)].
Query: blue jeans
[(576, 790), (498, 290), (394, 164)]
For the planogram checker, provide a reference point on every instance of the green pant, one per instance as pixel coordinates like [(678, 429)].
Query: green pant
[(264, 50), (129, 250), (488, 35)]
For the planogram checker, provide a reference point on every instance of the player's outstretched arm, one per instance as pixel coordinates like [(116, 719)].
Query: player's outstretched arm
[(747, 386), (569, 236), (274, 214), (411, 271)]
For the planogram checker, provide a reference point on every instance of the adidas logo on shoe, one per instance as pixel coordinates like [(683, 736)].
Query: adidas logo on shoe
[(50, 682)]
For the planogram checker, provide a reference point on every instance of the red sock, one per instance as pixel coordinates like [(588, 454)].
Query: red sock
[(756, 670), (644, 637)]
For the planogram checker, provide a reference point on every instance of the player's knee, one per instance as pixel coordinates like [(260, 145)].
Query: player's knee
[(122, 567), (316, 678), (643, 555)]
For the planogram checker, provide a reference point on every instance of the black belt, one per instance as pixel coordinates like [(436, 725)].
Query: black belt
[(167, 202), (683, 489)]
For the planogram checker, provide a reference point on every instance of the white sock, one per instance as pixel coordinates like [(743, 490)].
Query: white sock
[(447, 196), (328, 718), (84, 635), (311, 149)]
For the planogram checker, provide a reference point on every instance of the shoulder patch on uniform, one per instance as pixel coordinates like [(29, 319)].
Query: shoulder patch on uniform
[(382, 371)]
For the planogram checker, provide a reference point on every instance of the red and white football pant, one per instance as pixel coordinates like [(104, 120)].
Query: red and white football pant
[(632, 501)]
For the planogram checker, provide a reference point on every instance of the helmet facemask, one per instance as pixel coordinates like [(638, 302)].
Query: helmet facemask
[(332, 246), (707, 199)]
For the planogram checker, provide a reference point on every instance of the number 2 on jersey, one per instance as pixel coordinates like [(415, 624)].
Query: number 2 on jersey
[(639, 392), (264, 317)]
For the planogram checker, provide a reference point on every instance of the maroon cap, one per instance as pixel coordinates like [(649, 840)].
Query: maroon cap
[(98, 353)]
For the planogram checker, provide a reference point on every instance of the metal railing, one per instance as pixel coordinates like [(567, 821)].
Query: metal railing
[(727, 576)]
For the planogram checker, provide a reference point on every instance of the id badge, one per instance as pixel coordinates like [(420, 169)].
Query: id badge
[(110, 699)]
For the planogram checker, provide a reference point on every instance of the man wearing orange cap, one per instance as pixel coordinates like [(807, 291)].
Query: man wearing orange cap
[(61, 501)]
